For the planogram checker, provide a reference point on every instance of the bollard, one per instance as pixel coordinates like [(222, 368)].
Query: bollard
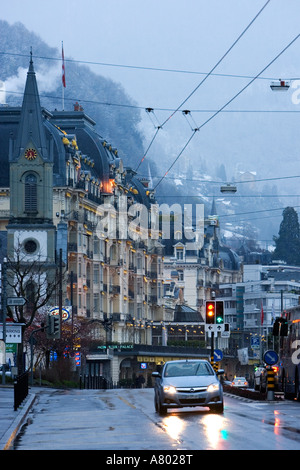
[(270, 383)]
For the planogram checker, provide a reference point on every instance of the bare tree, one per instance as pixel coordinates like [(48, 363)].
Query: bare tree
[(37, 281)]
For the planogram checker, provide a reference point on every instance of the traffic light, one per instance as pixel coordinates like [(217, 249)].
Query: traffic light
[(53, 327), (280, 327), (219, 312), (276, 327), (210, 312), (284, 327)]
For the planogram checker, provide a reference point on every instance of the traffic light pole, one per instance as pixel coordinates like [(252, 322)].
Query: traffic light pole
[(60, 289), (212, 348), (4, 313)]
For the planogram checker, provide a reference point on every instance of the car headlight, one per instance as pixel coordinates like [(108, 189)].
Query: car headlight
[(213, 387), (169, 389)]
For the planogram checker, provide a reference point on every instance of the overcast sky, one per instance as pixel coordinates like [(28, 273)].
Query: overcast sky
[(188, 35)]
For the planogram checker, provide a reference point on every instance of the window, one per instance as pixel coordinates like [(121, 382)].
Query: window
[(96, 273), (31, 193), (96, 302), (113, 252), (139, 261), (30, 246), (179, 253), (96, 246)]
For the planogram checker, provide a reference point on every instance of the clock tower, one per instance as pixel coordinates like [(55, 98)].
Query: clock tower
[(30, 227)]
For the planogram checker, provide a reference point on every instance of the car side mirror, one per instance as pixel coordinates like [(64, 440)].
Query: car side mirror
[(220, 371), (156, 374)]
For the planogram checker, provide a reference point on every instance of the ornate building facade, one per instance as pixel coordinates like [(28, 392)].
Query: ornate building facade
[(64, 189)]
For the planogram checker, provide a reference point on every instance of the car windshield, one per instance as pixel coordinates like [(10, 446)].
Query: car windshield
[(185, 369)]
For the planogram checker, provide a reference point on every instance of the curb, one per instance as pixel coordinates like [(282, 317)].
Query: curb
[(8, 439)]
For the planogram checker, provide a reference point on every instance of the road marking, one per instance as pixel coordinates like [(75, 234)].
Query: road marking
[(126, 402)]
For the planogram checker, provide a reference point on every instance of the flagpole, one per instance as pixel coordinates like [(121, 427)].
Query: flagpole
[(63, 81), (63, 98)]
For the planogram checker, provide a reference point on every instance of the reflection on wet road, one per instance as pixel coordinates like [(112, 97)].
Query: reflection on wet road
[(126, 420)]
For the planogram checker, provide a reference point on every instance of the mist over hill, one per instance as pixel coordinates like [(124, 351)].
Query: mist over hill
[(116, 124)]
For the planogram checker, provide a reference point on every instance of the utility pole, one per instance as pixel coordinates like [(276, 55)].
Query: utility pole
[(60, 287), (72, 333), (4, 302)]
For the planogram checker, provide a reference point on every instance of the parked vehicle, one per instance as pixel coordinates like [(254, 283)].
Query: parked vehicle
[(239, 382), (7, 370)]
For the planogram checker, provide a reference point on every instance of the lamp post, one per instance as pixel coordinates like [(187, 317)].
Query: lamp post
[(4, 301)]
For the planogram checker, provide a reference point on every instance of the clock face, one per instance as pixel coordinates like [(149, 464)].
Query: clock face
[(30, 154)]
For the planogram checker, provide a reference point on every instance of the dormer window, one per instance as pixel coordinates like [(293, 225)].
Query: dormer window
[(179, 252)]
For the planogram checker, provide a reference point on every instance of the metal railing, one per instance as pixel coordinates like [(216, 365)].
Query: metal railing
[(20, 389)]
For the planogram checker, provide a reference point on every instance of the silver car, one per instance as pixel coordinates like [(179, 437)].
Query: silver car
[(187, 383)]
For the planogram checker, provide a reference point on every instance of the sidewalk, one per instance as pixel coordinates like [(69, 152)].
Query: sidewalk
[(10, 420)]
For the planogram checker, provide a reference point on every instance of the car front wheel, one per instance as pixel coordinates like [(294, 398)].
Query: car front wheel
[(159, 408), (217, 408)]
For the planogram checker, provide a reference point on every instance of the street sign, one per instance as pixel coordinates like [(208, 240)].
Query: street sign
[(218, 355), (226, 332), (13, 332), (215, 328), (271, 357), (255, 342), (65, 312), (15, 301)]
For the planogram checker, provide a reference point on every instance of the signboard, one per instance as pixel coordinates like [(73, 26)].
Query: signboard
[(255, 342), (65, 311), (13, 332), (271, 358), (213, 328), (77, 358), (243, 356), (218, 355), (226, 332), (11, 348), (15, 301)]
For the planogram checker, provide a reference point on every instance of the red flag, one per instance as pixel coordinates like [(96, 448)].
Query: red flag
[(262, 313), (63, 68)]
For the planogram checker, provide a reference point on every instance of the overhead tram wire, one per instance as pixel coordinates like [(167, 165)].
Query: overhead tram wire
[(140, 67), (132, 106), (217, 64), (149, 111), (235, 182), (204, 79), (225, 105)]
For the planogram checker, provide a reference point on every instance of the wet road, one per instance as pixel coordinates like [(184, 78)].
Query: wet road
[(124, 419)]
